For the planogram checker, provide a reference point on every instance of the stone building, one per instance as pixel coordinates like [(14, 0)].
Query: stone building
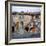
[(21, 20)]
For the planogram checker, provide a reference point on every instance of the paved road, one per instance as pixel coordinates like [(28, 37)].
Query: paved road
[(16, 35)]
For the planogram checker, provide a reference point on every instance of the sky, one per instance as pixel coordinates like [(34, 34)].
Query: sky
[(25, 9)]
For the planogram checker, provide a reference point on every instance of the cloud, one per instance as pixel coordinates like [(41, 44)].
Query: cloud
[(25, 9)]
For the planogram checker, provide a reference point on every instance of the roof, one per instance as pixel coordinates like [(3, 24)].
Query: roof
[(26, 13)]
